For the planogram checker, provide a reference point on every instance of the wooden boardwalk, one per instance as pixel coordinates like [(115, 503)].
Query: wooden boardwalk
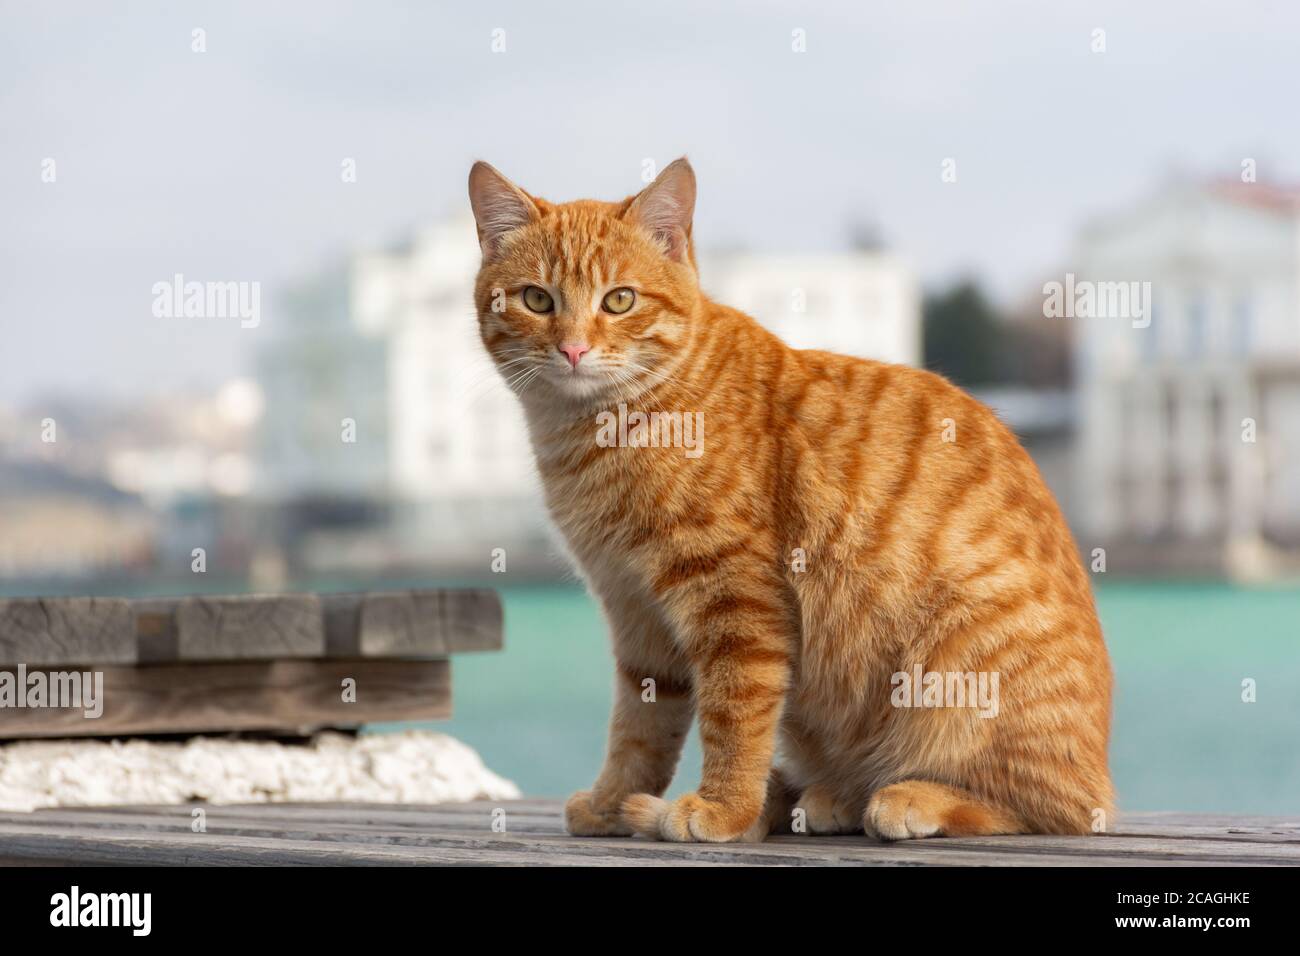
[(463, 834)]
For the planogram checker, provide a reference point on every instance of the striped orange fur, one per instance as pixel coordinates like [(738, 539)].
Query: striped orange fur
[(847, 521)]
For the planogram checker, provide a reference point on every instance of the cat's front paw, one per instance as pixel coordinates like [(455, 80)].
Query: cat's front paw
[(688, 819), (584, 817)]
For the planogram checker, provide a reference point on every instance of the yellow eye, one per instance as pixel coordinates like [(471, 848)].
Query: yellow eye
[(619, 301), (539, 300)]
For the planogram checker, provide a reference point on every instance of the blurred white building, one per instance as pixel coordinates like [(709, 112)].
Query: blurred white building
[(324, 432), (461, 473), (862, 303), (1167, 408)]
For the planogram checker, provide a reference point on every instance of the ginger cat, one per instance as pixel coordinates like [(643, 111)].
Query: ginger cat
[(851, 535)]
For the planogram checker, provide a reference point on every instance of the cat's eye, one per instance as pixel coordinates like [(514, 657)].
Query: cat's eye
[(538, 300), (619, 301)]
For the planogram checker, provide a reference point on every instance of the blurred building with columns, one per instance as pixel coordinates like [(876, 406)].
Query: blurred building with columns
[(1189, 401)]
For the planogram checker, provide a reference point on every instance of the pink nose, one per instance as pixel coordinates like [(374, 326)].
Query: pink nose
[(575, 351)]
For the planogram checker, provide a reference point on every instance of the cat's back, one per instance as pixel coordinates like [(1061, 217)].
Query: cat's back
[(903, 475), (882, 466)]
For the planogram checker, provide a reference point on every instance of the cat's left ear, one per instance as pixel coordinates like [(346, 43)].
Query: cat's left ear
[(666, 208)]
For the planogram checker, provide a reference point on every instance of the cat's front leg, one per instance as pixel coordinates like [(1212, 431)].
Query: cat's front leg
[(647, 728), (740, 645)]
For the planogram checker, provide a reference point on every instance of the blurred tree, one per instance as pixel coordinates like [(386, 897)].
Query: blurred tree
[(962, 335), (866, 235), (1038, 350)]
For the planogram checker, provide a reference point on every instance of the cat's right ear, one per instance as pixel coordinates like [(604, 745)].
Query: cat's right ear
[(499, 207), (666, 208)]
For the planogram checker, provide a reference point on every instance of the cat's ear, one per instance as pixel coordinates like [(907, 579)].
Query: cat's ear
[(666, 208), (499, 207)]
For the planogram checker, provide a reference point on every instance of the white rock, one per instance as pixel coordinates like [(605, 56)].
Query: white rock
[(414, 766)]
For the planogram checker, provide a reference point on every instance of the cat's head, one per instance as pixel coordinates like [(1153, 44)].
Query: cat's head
[(586, 300)]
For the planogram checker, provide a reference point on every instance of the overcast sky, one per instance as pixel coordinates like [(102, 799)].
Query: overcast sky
[(226, 164)]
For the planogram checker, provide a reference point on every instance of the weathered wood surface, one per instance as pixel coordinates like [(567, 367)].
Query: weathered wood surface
[(428, 623), (460, 834), (297, 696), (214, 629), (41, 632)]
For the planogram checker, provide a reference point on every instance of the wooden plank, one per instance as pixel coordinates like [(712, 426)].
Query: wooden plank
[(156, 634), (473, 620), (42, 632), (455, 834), (1224, 820), (1243, 834), (35, 847), (252, 626), (399, 625), (342, 624), (547, 815), (150, 846), (452, 829), (425, 624), (429, 623), (287, 695)]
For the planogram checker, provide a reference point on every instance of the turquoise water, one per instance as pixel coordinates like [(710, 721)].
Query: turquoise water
[(1183, 739)]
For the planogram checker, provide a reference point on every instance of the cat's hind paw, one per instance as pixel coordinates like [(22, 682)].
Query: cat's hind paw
[(826, 815), (917, 808), (904, 811), (688, 819)]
